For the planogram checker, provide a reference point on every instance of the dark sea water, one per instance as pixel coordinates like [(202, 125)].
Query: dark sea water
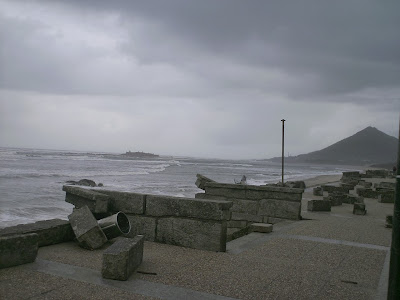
[(31, 180)]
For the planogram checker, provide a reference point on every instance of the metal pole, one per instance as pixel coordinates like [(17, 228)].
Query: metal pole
[(283, 146), (394, 271)]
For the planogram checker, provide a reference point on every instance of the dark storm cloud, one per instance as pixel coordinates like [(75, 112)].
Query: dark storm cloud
[(303, 49), (342, 46)]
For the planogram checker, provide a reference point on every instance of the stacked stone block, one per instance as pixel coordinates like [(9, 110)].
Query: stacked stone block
[(256, 204), (187, 222)]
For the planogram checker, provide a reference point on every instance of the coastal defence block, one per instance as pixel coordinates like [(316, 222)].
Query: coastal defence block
[(211, 235), (335, 189), (48, 232), (158, 206), (359, 209), (18, 249), (142, 225), (386, 197), (318, 191), (80, 197), (87, 231), (122, 258)]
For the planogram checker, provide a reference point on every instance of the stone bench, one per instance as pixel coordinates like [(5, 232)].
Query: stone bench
[(122, 258), (18, 249)]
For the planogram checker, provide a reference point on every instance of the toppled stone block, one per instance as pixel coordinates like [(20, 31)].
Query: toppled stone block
[(49, 232), (335, 189), (318, 191), (79, 197), (348, 186), (377, 173), (319, 205), (389, 221), (202, 180), (367, 193), (365, 184), (359, 209), (87, 231), (336, 199), (18, 249), (351, 199), (386, 197), (122, 258), (350, 175), (261, 227)]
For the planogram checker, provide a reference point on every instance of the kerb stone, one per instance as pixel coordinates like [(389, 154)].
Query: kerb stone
[(88, 233), (122, 258), (18, 249)]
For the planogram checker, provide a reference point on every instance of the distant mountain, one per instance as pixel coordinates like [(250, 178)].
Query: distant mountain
[(366, 147)]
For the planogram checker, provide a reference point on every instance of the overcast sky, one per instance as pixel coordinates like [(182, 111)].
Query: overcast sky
[(209, 78)]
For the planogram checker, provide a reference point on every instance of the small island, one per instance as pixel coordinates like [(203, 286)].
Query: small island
[(140, 154)]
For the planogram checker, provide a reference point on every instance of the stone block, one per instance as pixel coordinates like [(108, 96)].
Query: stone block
[(280, 209), (201, 180), (163, 206), (351, 199), (18, 249), (79, 197), (88, 233), (49, 232), (377, 173), (335, 189), (261, 227), (347, 186), (126, 202), (365, 184), (142, 225), (351, 174), (252, 192), (236, 224), (238, 233), (367, 193), (359, 209), (386, 185), (245, 206), (319, 205), (336, 199), (386, 197), (122, 258), (197, 234), (246, 217), (318, 191)]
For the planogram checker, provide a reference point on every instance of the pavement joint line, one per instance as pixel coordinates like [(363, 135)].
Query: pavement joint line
[(136, 286), (336, 242), (384, 279)]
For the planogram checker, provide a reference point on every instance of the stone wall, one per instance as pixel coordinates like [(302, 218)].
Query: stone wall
[(187, 222), (258, 204)]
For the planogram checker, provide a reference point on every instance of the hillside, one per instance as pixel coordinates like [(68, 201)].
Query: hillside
[(366, 147)]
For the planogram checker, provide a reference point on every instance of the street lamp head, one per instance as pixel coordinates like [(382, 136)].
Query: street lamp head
[(283, 120)]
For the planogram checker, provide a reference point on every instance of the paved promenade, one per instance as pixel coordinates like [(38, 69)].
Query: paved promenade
[(334, 255)]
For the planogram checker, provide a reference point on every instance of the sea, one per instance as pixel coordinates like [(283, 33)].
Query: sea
[(31, 180)]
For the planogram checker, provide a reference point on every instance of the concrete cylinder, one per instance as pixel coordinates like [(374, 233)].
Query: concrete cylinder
[(115, 225)]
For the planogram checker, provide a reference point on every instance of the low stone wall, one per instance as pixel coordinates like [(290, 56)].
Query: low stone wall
[(256, 204), (187, 222), (48, 232)]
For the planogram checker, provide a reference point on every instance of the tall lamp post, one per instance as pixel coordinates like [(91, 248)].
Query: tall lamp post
[(283, 146), (394, 270)]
